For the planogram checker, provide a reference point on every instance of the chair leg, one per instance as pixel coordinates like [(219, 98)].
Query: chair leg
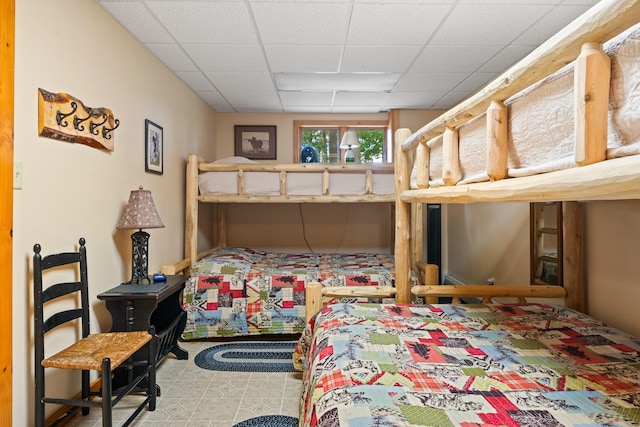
[(39, 394), (153, 350), (107, 393), (86, 391)]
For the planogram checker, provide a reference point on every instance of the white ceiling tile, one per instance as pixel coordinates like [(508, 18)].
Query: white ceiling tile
[(424, 82), (301, 22), (359, 98), (464, 25), (475, 81), (378, 58), (506, 58), (138, 20), (206, 22), (305, 98), (303, 59), (227, 57), (195, 80), (453, 59), (394, 24), (241, 81), (450, 99), (355, 109), (550, 24), (307, 108), (413, 99), (214, 99), (249, 97), (172, 56)]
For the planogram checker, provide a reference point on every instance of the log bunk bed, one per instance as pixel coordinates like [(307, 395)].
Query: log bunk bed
[(496, 363), (242, 291)]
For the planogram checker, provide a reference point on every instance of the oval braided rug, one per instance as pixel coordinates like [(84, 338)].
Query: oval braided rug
[(248, 357), (269, 421)]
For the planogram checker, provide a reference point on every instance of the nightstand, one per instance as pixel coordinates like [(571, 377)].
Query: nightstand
[(135, 307)]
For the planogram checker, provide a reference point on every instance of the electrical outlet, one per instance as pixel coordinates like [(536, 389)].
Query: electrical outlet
[(17, 176)]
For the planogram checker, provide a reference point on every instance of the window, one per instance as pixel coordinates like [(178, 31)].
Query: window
[(325, 138)]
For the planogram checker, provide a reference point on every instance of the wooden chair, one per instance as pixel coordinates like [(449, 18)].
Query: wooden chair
[(101, 352)]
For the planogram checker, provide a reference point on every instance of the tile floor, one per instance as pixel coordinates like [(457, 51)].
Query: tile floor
[(196, 397)]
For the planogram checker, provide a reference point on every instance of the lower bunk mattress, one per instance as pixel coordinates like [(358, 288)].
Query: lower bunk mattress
[(466, 365), (242, 291)]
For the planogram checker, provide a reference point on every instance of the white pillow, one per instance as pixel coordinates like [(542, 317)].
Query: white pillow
[(234, 159)]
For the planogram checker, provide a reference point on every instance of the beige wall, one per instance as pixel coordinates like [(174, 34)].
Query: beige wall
[(500, 233), (71, 190), (284, 129), (330, 227)]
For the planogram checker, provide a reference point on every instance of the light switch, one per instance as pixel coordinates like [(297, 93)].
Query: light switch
[(17, 176)]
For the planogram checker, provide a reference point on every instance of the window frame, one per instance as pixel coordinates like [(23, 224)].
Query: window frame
[(343, 126)]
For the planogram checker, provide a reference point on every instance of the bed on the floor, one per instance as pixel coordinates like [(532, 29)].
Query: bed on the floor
[(505, 363), (237, 291), (466, 365)]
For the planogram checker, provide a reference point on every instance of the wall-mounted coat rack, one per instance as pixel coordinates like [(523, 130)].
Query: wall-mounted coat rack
[(66, 118)]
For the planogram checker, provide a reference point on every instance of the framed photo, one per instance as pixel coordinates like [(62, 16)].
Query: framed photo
[(153, 149), (255, 142)]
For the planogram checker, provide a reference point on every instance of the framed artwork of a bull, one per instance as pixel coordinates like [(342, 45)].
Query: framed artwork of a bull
[(255, 142)]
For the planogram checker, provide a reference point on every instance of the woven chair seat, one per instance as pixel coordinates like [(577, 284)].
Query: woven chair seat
[(89, 352)]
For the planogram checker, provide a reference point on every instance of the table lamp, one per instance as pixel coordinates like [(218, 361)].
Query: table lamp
[(140, 213), (349, 142)]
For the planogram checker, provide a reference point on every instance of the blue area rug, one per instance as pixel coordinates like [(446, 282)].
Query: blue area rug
[(269, 421), (248, 357)]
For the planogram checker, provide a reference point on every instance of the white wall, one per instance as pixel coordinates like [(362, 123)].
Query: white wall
[(487, 240), (71, 190)]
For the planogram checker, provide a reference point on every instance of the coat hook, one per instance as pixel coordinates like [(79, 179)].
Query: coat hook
[(61, 116), (106, 131), (93, 126)]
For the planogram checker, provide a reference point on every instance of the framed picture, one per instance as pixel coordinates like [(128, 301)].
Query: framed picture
[(153, 150), (255, 142)]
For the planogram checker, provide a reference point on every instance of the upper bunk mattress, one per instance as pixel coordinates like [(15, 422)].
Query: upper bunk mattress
[(541, 135), (298, 183)]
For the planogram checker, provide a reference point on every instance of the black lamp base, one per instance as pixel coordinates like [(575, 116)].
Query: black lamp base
[(140, 257)]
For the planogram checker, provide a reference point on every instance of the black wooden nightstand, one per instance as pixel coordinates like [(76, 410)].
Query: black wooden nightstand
[(135, 307)]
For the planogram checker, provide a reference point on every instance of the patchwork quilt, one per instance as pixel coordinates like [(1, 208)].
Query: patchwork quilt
[(466, 365), (241, 291)]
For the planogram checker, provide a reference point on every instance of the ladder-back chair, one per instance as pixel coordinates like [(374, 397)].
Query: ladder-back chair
[(102, 352)]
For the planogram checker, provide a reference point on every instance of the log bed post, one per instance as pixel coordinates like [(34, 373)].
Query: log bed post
[(403, 217), (497, 141), (592, 74), (191, 209), (450, 157)]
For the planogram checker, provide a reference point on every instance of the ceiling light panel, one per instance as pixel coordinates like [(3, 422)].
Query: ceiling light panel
[(325, 82)]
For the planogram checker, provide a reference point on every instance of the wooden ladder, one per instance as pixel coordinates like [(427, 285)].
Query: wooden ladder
[(556, 248)]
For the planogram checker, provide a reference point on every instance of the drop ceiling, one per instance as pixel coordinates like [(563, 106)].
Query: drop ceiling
[(340, 56)]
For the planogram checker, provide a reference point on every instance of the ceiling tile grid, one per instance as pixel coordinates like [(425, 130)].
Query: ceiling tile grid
[(340, 56)]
